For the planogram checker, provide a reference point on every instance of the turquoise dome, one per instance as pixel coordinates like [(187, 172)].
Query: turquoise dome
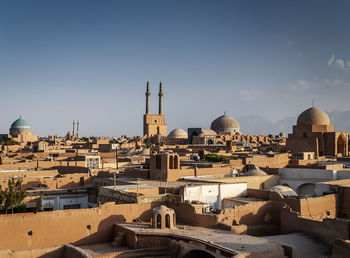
[(20, 126)]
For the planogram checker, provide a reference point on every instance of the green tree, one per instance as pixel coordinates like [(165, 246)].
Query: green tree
[(13, 196)]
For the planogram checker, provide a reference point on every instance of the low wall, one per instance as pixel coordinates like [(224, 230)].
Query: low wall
[(316, 208), (83, 226), (327, 230)]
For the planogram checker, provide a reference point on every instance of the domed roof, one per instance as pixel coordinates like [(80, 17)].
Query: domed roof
[(255, 172), (284, 190), (20, 125), (224, 123), (69, 134), (313, 116), (178, 134)]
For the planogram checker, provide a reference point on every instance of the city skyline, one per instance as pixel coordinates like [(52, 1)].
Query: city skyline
[(66, 61)]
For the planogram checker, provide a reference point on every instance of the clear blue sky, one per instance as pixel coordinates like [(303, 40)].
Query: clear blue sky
[(90, 60)]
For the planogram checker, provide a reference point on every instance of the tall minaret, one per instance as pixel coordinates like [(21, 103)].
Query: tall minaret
[(78, 127), (148, 101), (73, 127), (160, 94)]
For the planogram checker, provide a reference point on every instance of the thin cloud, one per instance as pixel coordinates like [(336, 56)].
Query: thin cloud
[(249, 95), (300, 85), (331, 60), (338, 63)]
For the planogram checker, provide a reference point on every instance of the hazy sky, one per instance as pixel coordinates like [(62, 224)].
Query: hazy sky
[(90, 60)]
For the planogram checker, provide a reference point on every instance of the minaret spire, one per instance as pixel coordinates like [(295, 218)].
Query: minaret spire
[(73, 127), (160, 94), (148, 101)]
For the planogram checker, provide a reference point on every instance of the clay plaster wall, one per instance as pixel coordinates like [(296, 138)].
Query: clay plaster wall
[(277, 161), (316, 208), (54, 228)]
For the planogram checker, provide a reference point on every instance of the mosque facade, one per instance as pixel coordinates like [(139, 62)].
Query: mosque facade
[(314, 133)]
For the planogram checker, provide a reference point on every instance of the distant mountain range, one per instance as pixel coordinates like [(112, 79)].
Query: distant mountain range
[(258, 125)]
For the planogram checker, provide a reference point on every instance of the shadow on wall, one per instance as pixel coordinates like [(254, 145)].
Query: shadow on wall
[(58, 253), (268, 213), (104, 232)]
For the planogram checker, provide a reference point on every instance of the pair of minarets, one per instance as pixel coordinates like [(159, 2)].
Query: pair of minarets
[(75, 133), (148, 100)]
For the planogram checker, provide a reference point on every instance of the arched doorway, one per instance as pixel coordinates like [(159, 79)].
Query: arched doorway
[(341, 145), (198, 254), (306, 190)]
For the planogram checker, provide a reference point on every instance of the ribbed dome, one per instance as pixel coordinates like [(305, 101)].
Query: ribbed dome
[(225, 123), (178, 134), (20, 125), (313, 116)]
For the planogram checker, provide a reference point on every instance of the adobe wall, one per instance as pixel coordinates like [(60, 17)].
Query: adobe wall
[(48, 252), (316, 208), (295, 144), (256, 182), (187, 214), (79, 227), (68, 181), (278, 161), (327, 230), (40, 173), (252, 213)]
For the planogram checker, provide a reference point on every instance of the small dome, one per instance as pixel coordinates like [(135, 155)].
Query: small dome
[(225, 123), (284, 190), (178, 134), (20, 126), (69, 134), (163, 208), (255, 172), (313, 116)]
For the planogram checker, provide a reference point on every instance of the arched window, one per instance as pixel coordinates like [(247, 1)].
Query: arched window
[(341, 146), (158, 162), (167, 220), (171, 162), (176, 162), (159, 221)]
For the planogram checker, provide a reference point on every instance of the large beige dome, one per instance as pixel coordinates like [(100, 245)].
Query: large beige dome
[(225, 123), (313, 116), (178, 134)]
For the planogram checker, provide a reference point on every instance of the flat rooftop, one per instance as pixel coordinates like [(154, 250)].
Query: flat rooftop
[(242, 244)]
